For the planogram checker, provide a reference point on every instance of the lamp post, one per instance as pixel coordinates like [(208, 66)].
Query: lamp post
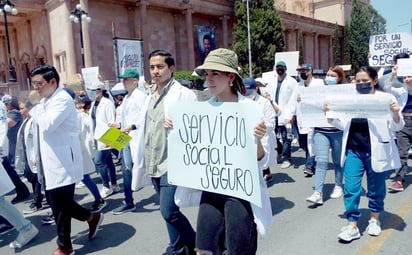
[(77, 15), (7, 7), (248, 37)]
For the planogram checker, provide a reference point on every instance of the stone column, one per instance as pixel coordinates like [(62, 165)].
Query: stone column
[(316, 51), (71, 55), (145, 36), (225, 19), (190, 44)]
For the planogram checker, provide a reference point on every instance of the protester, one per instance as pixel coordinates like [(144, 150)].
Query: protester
[(369, 148), (328, 140), (154, 150), (270, 112), (102, 113), (131, 110), (281, 93), (225, 222), (60, 154), (27, 231)]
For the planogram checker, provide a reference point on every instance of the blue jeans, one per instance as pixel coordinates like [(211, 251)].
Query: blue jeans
[(91, 185), (284, 148), (225, 223), (104, 165), (12, 215), (324, 141), (178, 226), (127, 165), (356, 164)]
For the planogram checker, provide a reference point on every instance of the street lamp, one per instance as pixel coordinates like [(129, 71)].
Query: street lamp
[(77, 15), (6, 6), (248, 37)]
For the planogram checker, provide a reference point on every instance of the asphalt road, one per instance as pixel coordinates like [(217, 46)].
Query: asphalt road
[(299, 227)]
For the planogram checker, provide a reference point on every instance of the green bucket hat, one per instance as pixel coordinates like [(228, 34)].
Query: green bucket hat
[(129, 73), (222, 60)]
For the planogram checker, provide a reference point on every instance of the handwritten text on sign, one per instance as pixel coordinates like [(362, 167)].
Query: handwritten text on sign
[(383, 48), (211, 147)]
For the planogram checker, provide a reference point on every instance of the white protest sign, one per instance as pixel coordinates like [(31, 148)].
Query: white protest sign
[(211, 147), (371, 106), (382, 48), (90, 74), (310, 109), (404, 67), (291, 59)]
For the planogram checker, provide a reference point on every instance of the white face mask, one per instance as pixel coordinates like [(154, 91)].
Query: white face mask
[(330, 80)]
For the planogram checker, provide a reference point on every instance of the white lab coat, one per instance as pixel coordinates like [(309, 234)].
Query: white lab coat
[(59, 139), (105, 113)]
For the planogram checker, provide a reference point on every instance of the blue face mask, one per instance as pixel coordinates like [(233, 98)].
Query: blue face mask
[(329, 80)]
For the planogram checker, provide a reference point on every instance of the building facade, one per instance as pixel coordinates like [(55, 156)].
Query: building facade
[(42, 33)]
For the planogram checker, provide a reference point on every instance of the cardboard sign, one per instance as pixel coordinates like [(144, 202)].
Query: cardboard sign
[(404, 67), (212, 148), (382, 48)]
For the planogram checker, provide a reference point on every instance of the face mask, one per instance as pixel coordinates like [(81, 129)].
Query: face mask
[(280, 71), (331, 80), (364, 87), (303, 76)]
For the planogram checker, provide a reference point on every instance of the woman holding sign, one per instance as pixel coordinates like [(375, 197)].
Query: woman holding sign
[(225, 222), (368, 147)]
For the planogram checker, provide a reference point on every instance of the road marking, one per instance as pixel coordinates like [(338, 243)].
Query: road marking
[(375, 243)]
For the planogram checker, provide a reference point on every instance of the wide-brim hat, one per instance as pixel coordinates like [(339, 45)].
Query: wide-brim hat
[(222, 60), (96, 84)]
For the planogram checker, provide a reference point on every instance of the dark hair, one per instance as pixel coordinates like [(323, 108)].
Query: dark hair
[(27, 104), (170, 61), (47, 71), (372, 73), (207, 37), (14, 103), (399, 56), (341, 74)]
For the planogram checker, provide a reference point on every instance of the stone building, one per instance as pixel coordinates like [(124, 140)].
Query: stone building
[(42, 33)]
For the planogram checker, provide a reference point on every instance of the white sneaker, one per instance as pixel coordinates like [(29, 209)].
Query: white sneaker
[(374, 227), (105, 192), (116, 188), (24, 236), (285, 164), (337, 192), (316, 198), (349, 233)]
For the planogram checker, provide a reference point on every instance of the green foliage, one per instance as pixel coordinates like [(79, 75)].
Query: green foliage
[(197, 81), (266, 35), (357, 34), (378, 23), (337, 46)]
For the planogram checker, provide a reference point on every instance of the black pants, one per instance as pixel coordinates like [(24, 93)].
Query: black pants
[(21, 188), (36, 186), (61, 201)]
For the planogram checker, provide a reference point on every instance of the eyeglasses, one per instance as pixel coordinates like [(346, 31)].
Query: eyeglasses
[(37, 84)]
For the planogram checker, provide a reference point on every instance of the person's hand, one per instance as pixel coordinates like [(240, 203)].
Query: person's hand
[(168, 123), (127, 129), (34, 97), (113, 125), (325, 107), (395, 107), (260, 130)]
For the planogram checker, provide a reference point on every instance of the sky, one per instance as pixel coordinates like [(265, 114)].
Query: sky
[(398, 14)]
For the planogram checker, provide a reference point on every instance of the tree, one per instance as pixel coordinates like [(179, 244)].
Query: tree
[(266, 33), (357, 36), (378, 23), (337, 46)]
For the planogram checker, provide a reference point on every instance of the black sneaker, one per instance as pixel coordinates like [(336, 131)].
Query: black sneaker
[(98, 205), (5, 228), (32, 208), (308, 172), (48, 220), (124, 208)]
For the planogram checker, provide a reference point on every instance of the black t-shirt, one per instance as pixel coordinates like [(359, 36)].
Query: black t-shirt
[(359, 138)]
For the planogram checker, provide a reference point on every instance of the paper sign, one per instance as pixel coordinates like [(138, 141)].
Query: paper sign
[(371, 106), (404, 67), (211, 147), (90, 74), (382, 48), (115, 138), (310, 109)]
